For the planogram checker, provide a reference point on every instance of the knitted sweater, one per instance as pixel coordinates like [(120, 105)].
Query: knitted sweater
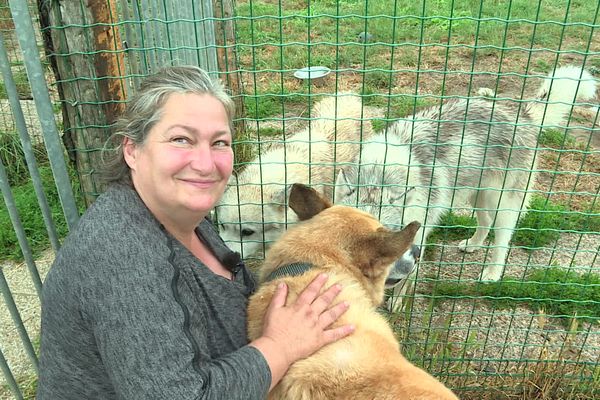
[(129, 313)]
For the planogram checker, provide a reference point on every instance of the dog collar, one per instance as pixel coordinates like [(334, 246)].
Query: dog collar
[(293, 269)]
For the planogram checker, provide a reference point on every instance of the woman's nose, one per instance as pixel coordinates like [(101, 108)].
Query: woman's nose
[(201, 159)]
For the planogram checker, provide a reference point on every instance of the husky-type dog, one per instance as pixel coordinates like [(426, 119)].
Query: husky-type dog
[(253, 209), (472, 151), (356, 251)]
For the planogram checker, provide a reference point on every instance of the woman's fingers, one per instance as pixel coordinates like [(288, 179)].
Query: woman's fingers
[(310, 293), (279, 297), (332, 335), (323, 302)]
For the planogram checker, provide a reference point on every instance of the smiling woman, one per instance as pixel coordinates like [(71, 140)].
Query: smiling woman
[(182, 168), (144, 300)]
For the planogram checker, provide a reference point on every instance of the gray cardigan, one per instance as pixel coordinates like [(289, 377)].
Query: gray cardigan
[(129, 313)]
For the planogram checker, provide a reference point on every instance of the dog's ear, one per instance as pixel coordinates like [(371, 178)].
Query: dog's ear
[(306, 202), (279, 196), (384, 246)]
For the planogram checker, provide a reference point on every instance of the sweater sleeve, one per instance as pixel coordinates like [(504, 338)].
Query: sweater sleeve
[(138, 328)]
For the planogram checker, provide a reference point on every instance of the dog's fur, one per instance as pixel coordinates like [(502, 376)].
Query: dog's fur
[(356, 251), (252, 210), (484, 157)]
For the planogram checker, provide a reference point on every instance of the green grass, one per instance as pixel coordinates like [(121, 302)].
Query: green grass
[(22, 84), (31, 216), (557, 291), (287, 38), (556, 139), (13, 157)]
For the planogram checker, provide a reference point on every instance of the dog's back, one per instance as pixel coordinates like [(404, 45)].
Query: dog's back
[(354, 249)]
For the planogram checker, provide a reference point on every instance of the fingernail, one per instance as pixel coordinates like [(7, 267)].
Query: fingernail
[(325, 276), (281, 285)]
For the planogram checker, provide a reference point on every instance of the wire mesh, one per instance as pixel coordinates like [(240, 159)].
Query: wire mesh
[(534, 333)]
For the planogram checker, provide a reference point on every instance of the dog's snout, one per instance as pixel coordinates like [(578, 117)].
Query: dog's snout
[(415, 251)]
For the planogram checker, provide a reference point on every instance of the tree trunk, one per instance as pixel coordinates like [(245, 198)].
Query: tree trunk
[(227, 57), (87, 59)]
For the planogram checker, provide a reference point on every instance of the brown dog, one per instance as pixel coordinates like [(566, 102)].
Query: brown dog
[(356, 251)]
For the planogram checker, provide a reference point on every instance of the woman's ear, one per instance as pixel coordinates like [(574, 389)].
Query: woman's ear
[(129, 152)]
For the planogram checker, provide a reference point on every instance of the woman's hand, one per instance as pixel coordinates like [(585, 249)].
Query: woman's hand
[(297, 330)]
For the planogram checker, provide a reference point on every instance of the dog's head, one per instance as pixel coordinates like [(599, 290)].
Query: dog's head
[(338, 236), (375, 192), (251, 216)]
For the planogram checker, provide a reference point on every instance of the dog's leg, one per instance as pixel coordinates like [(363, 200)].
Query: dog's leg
[(506, 220), (486, 202)]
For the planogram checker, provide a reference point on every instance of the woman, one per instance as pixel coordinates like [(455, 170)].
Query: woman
[(144, 300)]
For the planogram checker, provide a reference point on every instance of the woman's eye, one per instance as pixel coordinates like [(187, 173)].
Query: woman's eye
[(181, 140), (221, 143)]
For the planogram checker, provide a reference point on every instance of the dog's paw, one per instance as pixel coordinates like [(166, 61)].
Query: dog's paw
[(491, 274), (466, 246)]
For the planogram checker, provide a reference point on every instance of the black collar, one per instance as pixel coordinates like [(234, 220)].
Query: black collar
[(293, 269)]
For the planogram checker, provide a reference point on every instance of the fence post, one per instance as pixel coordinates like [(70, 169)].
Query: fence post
[(43, 104), (10, 379), (227, 57), (88, 66), (13, 97)]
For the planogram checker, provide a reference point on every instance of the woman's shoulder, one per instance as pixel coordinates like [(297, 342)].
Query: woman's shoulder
[(116, 226), (116, 213)]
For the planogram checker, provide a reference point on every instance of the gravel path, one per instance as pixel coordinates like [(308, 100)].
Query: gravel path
[(27, 301)]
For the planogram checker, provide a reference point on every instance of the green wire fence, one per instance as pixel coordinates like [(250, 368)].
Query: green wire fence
[(533, 335)]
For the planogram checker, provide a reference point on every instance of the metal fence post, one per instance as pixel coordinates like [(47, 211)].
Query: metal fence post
[(39, 90), (15, 105)]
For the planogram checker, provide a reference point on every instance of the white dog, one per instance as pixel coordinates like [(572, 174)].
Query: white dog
[(475, 151), (253, 211)]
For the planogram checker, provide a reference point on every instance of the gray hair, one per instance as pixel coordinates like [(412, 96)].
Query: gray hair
[(145, 110)]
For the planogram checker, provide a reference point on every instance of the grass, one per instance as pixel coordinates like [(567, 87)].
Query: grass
[(31, 216), (556, 139), (432, 37), (559, 291), (13, 157), (22, 84)]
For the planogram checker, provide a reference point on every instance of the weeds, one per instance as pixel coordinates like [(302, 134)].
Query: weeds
[(31, 217)]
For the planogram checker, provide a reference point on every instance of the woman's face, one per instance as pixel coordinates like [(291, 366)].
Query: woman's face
[(182, 168)]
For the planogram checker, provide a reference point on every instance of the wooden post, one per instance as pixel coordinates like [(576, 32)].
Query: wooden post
[(227, 57), (88, 63)]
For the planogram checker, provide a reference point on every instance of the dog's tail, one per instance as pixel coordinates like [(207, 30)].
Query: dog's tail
[(341, 118), (558, 92), (343, 123)]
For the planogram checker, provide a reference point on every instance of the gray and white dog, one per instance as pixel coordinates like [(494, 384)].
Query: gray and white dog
[(253, 211), (467, 151)]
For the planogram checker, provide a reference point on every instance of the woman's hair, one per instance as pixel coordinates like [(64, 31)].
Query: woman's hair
[(145, 108)]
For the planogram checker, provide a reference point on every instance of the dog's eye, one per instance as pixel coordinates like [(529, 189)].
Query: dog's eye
[(247, 232)]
